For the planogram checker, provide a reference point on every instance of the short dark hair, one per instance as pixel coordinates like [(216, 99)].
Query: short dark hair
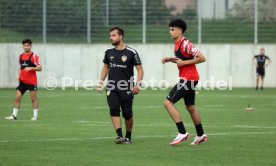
[(178, 23), (121, 32), (27, 41)]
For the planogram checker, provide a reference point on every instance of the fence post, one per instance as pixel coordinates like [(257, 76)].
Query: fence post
[(107, 13), (199, 27), (44, 23), (144, 21), (88, 21), (256, 23)]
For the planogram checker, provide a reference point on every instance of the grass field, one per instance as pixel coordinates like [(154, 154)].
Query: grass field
[(74, 128)]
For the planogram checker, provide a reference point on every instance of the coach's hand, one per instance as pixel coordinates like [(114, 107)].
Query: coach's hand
[(135, 90), (100, 87)]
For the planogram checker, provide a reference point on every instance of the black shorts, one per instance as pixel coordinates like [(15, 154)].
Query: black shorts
[(120, 101), (22, 87), (261, 71), (183, 89)]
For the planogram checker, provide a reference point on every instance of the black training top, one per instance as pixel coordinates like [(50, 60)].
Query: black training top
[(121, 64), (261, 60)]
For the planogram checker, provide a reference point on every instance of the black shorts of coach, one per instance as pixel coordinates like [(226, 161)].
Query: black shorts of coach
[(261, 71), (120, 100), (183, 90), (22, 87)]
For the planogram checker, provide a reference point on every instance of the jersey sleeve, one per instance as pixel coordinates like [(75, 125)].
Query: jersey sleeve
[(106, 60), (19, 59), (136, 59), (188, 48), (267, 57), (35, 59)]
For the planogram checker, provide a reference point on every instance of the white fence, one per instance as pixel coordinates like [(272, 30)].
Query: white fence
[(83, 62)]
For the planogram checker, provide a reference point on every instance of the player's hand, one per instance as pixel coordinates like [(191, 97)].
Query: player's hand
[(169, 59), (100, 87), (173, 59), (28, 68), (165, 60), (135, 90), (180, 62)]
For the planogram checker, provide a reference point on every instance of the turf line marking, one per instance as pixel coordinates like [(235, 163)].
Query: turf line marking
[(215, 105), (138, 137), (256, 127), (107, 123)]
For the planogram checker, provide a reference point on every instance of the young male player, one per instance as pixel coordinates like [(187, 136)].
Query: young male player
[(29, 65), (186, 56), (118, 65)]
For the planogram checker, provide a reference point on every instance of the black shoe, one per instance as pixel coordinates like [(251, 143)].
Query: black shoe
[(127, 141), (119, 140), (262, 88)]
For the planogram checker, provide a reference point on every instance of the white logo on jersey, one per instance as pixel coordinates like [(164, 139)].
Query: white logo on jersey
[(124, 58)]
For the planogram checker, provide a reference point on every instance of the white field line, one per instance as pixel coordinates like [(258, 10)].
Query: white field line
[(215, 105), (108, 123), (255, 127), (138, 137)]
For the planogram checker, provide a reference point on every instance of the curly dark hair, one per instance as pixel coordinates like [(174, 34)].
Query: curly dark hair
[(178, 23), (27, 41)]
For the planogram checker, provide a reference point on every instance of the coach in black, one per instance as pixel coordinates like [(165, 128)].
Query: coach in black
[(260, 63), (119, 63)]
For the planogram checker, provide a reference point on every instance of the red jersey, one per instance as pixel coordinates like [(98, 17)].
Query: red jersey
[(185, 50), (28, 60)]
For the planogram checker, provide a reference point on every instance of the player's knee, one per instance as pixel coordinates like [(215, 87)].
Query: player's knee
[(17, 100), (190, 108), (34, 99), (127, 115), (114, 112), (167, 103)]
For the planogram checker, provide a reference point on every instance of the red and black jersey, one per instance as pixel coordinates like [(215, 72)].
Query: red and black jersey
[(28, 60), (185, 50)]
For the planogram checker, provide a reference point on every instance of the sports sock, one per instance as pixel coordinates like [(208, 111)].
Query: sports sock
[(180, 127), (36, 113), (15, 111), (128, 134), (119, 132), (199, 130)]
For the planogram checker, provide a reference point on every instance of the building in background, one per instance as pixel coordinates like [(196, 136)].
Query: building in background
[(180, 5), (210, 9)]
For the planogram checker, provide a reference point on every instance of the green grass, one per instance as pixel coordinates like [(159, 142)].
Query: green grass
[(74, 128)]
